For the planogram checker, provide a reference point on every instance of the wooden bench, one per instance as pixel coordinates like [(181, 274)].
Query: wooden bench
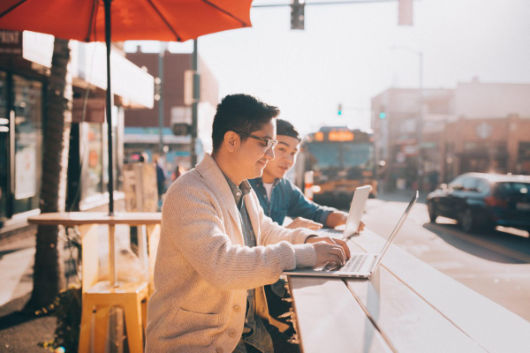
[(407, 306)]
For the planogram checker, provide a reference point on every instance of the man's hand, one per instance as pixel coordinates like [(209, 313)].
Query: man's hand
[(331, 255), (300, 222), (332, 241)]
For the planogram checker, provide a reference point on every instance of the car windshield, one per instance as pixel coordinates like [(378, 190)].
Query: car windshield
[(513, 188)]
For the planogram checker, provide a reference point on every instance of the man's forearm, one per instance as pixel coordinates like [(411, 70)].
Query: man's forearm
[(336, 218)]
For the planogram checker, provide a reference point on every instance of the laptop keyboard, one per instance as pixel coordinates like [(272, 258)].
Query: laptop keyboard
[(356, 262)]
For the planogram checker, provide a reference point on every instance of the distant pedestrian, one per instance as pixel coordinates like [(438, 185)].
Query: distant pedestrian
[(160, 177)]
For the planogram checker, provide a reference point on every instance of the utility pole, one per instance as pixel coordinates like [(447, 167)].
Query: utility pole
[(419, 122), (161, 92), (195, 104)]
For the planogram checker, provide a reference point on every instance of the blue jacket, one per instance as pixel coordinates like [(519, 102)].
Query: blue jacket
[(288, 200)]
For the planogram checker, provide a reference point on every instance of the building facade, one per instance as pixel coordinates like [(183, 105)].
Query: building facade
[(142, 133), (24, 75), (432, 136)]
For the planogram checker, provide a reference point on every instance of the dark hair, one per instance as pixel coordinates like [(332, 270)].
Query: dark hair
[(285, 128), (242, 114)]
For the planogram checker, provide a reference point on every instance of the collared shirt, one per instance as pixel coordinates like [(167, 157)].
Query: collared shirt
[(288, 200), (254, 332)]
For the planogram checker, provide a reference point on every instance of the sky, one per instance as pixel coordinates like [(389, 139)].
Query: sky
[(349, 53)]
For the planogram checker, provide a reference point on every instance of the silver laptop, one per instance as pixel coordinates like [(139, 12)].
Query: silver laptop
[(358, 202), (356, 210), (360, 265)]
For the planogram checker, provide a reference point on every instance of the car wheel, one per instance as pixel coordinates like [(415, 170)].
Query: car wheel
[(467, 221), (432, 212)]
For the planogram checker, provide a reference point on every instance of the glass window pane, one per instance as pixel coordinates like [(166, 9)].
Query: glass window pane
[(28, 141), (4, 139)]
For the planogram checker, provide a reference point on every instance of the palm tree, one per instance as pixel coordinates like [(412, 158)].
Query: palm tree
[(48, 273)]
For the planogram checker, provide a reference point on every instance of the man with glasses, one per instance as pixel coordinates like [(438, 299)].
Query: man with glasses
[(217, 249)]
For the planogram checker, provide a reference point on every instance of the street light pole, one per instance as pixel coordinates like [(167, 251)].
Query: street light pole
[(195, 104), (161, 92), (419, 123)]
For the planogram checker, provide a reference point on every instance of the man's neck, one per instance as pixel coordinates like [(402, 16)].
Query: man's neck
[(267, 178), (228, 168)]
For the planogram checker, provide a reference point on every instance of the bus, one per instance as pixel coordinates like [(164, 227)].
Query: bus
[(341, 160)]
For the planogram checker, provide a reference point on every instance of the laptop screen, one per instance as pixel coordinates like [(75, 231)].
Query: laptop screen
[(397, 227), (356, 209)]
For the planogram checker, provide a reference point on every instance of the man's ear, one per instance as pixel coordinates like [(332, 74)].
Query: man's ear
[(232, 141)]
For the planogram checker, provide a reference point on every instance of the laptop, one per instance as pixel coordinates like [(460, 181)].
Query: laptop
[(349, 229), (360, 265), (356, 210)]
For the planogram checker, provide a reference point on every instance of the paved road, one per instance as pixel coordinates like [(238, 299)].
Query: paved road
[(496, 264)]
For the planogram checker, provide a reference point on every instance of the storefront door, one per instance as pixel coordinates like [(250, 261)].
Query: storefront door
[(20, 143)]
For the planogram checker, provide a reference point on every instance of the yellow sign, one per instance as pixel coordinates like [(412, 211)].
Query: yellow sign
[(340, 135)]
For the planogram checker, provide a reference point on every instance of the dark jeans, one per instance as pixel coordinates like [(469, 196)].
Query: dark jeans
[(257, 341), (274, 293)]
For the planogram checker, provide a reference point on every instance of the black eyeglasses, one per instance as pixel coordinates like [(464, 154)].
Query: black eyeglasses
[(269, 143)]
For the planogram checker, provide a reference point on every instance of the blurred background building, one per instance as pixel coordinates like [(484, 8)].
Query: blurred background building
[(173, 107), (24, 76), (430, 136)]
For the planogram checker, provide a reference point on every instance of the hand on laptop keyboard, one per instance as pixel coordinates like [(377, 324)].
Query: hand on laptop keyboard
[(329, 253), (331, 266)]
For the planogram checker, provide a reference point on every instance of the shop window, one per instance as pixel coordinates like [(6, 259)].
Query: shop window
[(92, 160), (523, 158), (27, 106), (4, 140)]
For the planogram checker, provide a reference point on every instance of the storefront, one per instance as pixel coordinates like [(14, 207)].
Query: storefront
[(499, 145), (24, 73), (21, 104)]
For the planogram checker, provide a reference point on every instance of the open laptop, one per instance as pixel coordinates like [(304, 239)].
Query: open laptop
[(358, 202), (356, 210), (360, 265)]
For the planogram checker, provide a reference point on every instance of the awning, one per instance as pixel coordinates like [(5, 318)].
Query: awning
[(132, 84)]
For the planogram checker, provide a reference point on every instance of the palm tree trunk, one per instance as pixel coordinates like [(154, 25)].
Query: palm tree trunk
[(48, 273)]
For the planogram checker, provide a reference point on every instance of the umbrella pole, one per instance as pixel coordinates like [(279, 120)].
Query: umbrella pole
[(109, 109), (112, 236)]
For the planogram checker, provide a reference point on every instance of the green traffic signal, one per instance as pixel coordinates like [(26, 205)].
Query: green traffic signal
[(382, 115)]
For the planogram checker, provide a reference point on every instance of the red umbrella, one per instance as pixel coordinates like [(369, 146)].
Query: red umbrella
[(90, 20)]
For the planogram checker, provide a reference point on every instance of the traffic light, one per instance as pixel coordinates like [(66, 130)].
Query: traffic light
[(297, 14), (382, 112), (339, 109), (405, 13)]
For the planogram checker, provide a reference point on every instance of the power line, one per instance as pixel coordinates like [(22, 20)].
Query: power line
[(325, 3)]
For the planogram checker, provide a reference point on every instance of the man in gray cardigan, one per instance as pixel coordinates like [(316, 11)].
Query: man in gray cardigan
[(217, 249)]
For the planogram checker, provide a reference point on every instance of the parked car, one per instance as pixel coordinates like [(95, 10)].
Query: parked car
[(483, 201)]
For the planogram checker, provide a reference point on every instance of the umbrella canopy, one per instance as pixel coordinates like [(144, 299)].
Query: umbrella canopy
[(165, 20), (120, 20)]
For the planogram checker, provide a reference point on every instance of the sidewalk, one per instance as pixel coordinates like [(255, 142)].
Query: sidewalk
[(20, 332), (401, 195)]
